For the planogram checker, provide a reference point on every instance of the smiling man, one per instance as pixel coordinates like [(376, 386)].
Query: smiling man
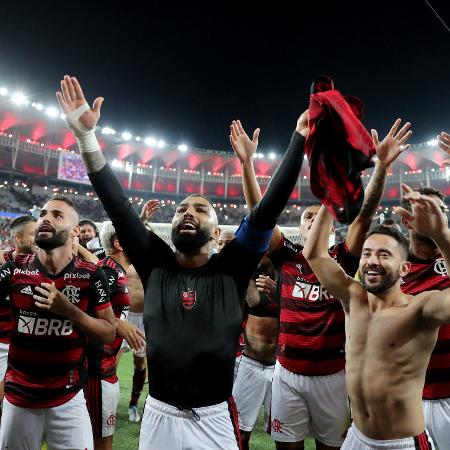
[(193, 300), (390, 334)]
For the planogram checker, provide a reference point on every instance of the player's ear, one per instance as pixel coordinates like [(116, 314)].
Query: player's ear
[(215, 233), (117, 245), (76, 230), (405, 267)]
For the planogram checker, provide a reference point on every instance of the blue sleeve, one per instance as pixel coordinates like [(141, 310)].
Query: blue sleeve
[(251, 238)]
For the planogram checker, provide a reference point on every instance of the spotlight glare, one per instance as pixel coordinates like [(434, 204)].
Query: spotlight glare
[(51, 111), (107, 130), (3, 91), (150, 141), (432, 142), (126, 136), (18, 98), (161, 143), (272, 155), (182, 147)]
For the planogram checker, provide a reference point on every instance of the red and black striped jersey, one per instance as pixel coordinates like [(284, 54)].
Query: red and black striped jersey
[(102, 357), (46, 360), (311, 336), (425, 276), (5, 310)]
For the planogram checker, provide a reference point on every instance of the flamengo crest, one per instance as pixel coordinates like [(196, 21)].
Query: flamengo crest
[(188, 299)]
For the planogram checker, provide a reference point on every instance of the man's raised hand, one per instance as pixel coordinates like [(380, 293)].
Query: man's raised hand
[(243, 146), (444, 144), (74, 106), (426, 217), (393, 144), (149, 210)]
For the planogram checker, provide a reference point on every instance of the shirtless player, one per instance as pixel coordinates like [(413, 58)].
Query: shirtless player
[(390, 334)]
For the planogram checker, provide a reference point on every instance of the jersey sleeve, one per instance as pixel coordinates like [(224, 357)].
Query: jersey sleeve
[(6, 273), (99, 296), (119, 295), (144, 248), (346, 260), (285, 251)]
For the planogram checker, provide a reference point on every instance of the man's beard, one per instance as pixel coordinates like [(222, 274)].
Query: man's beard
[(187, 242), (387, 282), (58, 239)]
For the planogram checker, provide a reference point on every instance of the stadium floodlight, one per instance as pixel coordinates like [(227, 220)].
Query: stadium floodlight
[(126, 136), (107, 130), (161, 143), (150, 141), (183, 148), (3, 91), (38, 106), (432, 142), (51, 112), (18, 98), (138, 139), (261, 155), (272, 155), (116, 163)]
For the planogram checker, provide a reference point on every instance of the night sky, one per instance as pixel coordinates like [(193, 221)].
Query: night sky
[(184, 72)]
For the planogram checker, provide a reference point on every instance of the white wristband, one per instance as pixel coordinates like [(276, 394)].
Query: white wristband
[(87, 141)]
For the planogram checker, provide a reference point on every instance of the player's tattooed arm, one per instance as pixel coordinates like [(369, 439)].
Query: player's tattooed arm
[(388, 151)]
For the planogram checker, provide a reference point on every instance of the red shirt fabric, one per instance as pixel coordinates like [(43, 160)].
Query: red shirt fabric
[(338, 148), (102, 357), (311, 337), (46, 360), (425, 276)]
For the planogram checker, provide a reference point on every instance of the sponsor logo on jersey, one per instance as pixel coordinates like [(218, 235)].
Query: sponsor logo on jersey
[(40, 326), (440, 267), (111, 281), (77, 276), (27, 290), (310, 292), (101, 291), (121, 275), (188, 299), (72, 293), (26, 272)]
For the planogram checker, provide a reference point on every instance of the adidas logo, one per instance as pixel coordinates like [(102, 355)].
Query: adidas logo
[(27, 290)]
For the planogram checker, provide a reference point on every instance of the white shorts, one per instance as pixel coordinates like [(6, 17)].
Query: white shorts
[(166, 427), (136, 319), (4, 348), (437, 421), (102, 400), (63, 427), (309, 405), (355, 440), (252, 389)]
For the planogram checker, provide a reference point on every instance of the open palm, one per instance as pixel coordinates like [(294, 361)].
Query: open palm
[(243, 146), (71, 97), (393, 144)]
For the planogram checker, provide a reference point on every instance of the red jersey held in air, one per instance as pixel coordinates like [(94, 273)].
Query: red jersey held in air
[(102, 357), (311, 337), (46, 360), (425, 276)]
